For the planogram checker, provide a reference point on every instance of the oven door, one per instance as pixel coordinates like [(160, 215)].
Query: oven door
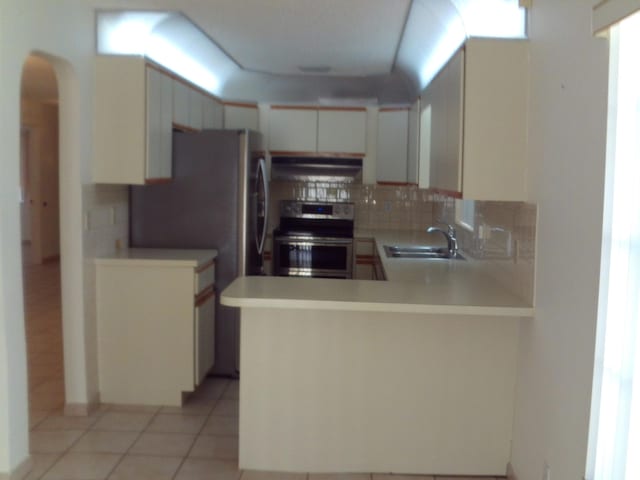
[(308, 256)]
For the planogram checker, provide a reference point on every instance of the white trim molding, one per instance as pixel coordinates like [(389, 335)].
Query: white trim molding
[(609, 12)]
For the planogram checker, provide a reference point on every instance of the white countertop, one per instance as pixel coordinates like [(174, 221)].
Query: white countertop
[(158, 256), (474, 296), (413, 286)]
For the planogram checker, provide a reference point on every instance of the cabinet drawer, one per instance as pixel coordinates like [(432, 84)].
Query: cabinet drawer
[(205, 276)]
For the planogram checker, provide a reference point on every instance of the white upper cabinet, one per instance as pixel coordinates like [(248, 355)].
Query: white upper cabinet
[(159, 124), (132, 123), (495, 122), (318, 130), (196, 104), (342, 130), (181, 102), (476, 108), (293, 129), (239, 116), (393, 132), (413, 145), (212, 113)]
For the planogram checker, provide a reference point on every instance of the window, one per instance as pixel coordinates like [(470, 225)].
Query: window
[(614, 440)]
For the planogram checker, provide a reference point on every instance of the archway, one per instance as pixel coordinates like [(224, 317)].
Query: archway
[(40, 235)]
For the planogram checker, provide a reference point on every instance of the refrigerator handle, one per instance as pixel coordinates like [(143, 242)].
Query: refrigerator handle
[(262, 178)]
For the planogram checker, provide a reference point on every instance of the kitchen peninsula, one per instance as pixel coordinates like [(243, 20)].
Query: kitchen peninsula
[(413, 375)]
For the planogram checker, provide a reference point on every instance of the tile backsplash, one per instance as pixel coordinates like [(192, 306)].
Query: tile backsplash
[(499, 235), (376, 206)]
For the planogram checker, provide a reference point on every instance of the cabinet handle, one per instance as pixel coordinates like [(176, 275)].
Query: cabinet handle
[(205, 295)]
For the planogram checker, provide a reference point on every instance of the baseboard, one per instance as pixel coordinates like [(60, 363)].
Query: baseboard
[(20, 472), (511, 475), (82, 409)]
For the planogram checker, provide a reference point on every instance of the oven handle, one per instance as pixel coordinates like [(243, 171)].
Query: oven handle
[(308, 240)]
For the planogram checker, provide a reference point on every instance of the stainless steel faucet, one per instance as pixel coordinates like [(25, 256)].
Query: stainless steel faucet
[(450, 235)]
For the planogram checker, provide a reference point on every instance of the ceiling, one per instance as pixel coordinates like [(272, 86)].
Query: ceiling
[(310, 51), (353, 37)]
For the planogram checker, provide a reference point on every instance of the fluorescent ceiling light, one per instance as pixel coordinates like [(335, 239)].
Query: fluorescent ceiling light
[(165, 53), (126, 33)]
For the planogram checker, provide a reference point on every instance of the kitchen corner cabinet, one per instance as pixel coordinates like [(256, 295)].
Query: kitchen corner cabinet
[(478, 110), (212, 113), (156, 324), (132, 122), (241, 116), (391, 156)]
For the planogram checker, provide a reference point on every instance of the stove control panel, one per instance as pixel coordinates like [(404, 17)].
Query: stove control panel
[(328, 210)]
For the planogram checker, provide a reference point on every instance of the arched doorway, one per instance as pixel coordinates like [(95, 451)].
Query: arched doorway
[(40, 235)]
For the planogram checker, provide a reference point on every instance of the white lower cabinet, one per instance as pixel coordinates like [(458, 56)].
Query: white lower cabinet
[(205, 314), (363, 258), (155, 327)]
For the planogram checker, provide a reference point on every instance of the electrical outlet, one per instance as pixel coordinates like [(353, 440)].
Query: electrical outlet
[(546, 474), (387, 206), (118, 244), (112, 215)]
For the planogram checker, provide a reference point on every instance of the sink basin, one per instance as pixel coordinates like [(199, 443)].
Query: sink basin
[(423, 252)]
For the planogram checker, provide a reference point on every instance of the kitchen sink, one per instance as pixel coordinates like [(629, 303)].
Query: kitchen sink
[(423, 252)]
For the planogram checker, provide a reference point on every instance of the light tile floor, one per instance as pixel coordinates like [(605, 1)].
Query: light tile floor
[(195, 442)]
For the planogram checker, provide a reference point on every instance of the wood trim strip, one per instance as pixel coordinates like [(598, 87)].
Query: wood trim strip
[(184, 128), (156, 181), (318, 108), (292, 107), (206, 266), (286, 153), (205, 295), (365, 259), (394, 109), (342, 109), (447, 193), (241, 105)]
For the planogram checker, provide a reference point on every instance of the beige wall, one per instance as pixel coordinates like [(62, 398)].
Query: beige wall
[(566, 177), (41, 120)]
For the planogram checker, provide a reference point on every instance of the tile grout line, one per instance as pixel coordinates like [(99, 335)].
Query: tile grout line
[(68, 449), (206, 420), (126, 452)]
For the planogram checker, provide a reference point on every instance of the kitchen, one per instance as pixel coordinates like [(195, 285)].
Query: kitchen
[(372, 193)]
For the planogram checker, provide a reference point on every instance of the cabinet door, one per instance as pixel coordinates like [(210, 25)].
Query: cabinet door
[(342, 131), (293, 129), (196, 104), (181, 103), (393, 129), (205, 335), (159, 125), (240, 117), (446, 94), (212, 113), (413, 145), (495, 123)]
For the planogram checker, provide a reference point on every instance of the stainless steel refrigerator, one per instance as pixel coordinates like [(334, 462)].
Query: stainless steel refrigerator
[(217, 198)]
